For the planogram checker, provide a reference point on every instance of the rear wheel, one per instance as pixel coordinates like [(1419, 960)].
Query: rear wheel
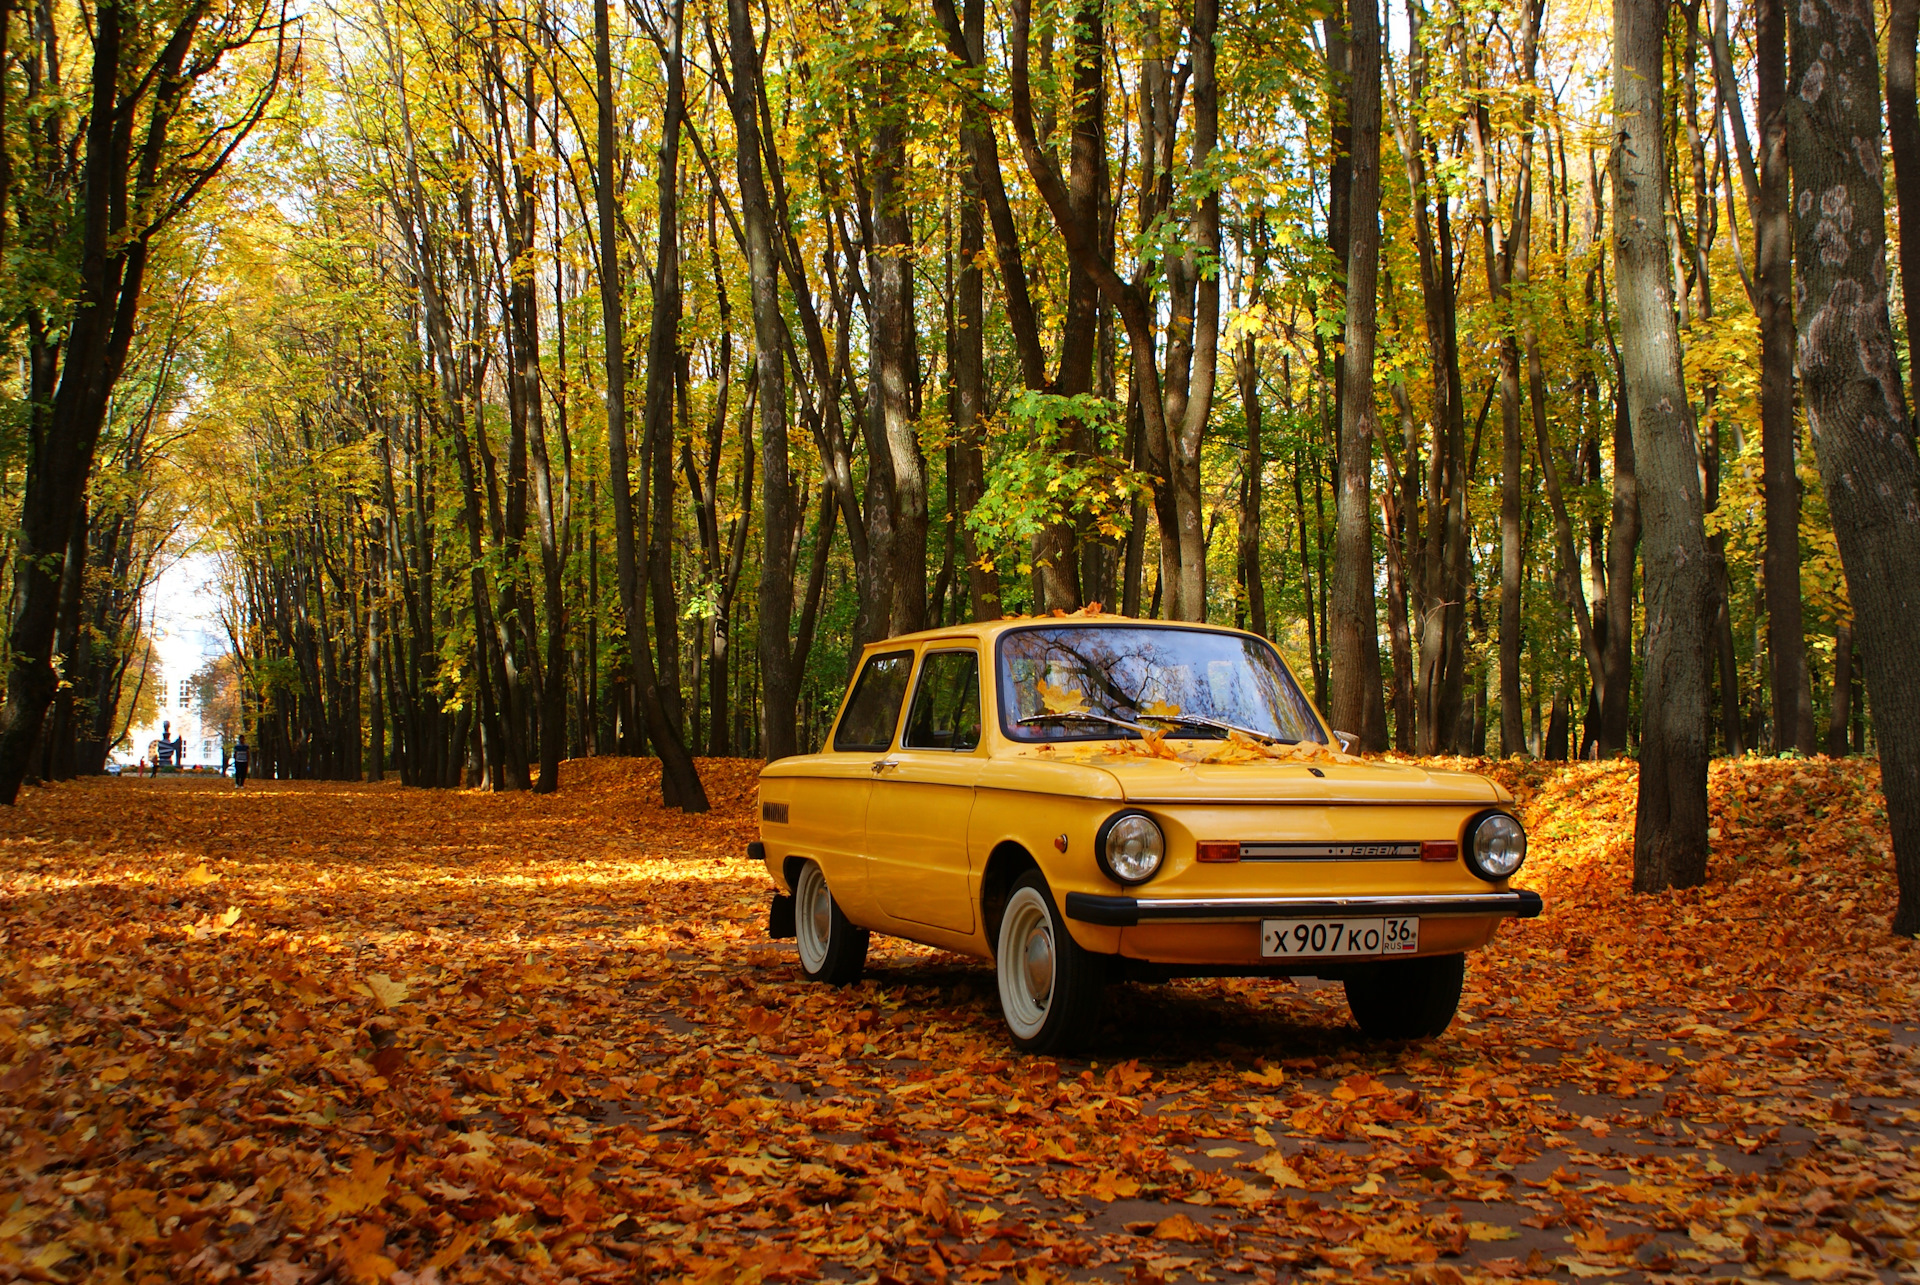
[(832, 948), (1407, 999), (1050, 987)]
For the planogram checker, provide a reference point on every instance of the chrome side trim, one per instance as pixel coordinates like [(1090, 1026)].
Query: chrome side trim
[(1126, 912), (1343, 801)]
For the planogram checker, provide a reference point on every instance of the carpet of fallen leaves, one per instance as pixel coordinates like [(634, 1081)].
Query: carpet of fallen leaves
[(314, 1032)]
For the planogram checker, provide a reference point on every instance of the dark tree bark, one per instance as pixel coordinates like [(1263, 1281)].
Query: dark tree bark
[(1171, 426), (1438, 558), (1779, 438), (779, 682), (1856, 406), (969, 356), (1840, 708), (1499, 247), (1670, 828), (680, 784), (654, 501), (1356, 699), (1903, 133), (134, 175), (889, 390), (1056, 553), (1253, 467)]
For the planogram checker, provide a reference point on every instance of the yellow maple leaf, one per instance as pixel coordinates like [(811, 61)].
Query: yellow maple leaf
[(361, 1258), (385, 991), (450, 1252), (1275, 1166), (1399, 1248), (200, 876), (1177, 1227), (1110, 1186), (362, 1189), (1061, 700)]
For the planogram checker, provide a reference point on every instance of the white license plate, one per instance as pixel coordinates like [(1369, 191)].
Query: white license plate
[(1335, 938)]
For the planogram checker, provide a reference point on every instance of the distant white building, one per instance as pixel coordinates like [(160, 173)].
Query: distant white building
[(186, 635)]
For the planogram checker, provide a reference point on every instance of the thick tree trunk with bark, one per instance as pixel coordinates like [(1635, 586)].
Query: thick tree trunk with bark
[(1355, 699), (969, 357), (1840, 708), (1253, 466), (680, 784), (126, 186), (1670, 828), (889, 392), (1855, 404), (779, 683), (1903, 133), (1438, 557), (1779, 438)]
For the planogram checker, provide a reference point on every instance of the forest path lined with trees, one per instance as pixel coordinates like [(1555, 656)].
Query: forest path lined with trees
[(314, 1031)]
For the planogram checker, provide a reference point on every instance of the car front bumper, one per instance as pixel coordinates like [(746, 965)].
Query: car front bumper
[(1128, 912)]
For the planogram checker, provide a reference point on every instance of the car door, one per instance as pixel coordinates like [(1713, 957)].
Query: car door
[(828, 808), (923, 795)]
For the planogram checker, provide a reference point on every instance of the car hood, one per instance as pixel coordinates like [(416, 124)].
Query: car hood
[(1334, 779)]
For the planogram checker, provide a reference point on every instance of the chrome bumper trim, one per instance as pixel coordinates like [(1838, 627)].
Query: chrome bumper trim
[(1126, 912)]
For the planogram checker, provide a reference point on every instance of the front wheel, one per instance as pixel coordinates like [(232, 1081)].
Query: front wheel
[(1407, 999), (1050, 987), (832, 948)]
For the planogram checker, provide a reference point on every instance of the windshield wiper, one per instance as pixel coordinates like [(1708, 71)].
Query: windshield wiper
[(1220, 725), (1087, 714)]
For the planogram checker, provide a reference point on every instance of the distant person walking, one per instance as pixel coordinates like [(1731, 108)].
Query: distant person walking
[(241, 756)]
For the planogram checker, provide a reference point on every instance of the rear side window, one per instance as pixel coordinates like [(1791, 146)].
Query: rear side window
[(874, 708), (946, 704)]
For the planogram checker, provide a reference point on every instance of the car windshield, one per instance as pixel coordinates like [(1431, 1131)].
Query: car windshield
[(1083, 682)]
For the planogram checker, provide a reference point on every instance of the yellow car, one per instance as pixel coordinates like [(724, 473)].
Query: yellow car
[(1085, 798)]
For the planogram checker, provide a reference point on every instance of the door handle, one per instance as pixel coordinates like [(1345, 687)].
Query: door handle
[(882, 765)]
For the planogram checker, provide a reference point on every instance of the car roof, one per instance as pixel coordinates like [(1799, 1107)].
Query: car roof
[(986, 630)]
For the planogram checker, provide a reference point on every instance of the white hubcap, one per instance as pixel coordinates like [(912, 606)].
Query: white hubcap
[(1026, 963), (812, 917)]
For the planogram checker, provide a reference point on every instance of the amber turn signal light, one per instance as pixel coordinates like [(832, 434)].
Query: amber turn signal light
[(1444, 850), (1208, 851)]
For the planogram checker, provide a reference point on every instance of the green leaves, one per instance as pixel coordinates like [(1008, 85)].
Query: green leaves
[(1051, 459)]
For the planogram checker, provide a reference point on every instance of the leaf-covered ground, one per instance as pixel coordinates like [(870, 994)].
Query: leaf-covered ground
[(316, 1032)]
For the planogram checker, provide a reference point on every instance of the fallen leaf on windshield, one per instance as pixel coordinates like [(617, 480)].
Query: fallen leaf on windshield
[(1061, 700)]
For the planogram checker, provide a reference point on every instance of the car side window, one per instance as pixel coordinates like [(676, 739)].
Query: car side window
[(874, 708), (946, 705)]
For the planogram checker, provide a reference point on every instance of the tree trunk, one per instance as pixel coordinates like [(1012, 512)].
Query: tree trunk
[(1839, 709), (779, 683), (680, 784), (1855, 404), (1438, 557), (1356, 701), (1253, 468), (1670, 828), (889, 391), (1903, 132), (1779, 437), (969, 358)]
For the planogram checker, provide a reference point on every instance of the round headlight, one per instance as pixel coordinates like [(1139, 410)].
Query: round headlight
[(1130, 847), (1496, 846)]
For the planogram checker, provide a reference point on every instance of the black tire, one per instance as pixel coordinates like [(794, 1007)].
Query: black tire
[(1407, 999), (1051, 989), (832, 948)]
